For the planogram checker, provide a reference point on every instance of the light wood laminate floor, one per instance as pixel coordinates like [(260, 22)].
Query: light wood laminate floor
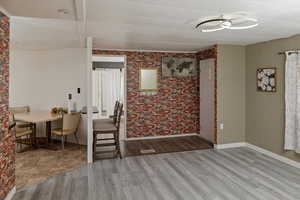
[(231, 174)]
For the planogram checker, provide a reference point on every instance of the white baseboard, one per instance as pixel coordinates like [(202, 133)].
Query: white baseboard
[(160, 137), (260, 150), (229, 145), (11, 194), (274, 155)]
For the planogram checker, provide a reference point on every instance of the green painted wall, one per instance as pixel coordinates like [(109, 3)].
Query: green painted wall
[(265, 112), (231, 93)]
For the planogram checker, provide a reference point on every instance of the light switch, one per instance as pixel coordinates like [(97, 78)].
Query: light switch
[(221, 126)]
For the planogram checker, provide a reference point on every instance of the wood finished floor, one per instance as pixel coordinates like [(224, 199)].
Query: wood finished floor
[(231, 174), (165, 145)]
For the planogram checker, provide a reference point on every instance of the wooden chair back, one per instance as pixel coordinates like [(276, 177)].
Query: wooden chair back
[(19, 109), (119, 115), (71, 121), (17, 127), (12, 123), (117, 104)]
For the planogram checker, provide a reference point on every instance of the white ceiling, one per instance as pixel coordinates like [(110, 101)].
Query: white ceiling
[(43, 34), (146, 24), (43, 8)]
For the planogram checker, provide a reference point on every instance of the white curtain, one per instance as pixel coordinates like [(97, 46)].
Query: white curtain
[(292, 102), (108, 88), (97, 85)]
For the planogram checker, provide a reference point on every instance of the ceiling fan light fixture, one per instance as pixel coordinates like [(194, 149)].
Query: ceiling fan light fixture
[(227, 22)]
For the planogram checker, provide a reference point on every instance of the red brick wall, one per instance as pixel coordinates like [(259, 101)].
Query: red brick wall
[(173, 110), (7, 158)]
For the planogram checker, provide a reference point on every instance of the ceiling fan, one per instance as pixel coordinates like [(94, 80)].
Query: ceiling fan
[(237, 21)]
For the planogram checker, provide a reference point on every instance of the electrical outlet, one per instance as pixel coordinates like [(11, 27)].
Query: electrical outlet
[(221, 126)]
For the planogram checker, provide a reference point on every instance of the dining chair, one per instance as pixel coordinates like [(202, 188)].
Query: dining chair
[(70, 124), (17, 110), (22, 131), (114, 116), (101, 128)]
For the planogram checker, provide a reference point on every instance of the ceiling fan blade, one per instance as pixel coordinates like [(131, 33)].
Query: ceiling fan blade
[(243, 20), (241, 27), (243, 23), (209, 21), (212, 30)]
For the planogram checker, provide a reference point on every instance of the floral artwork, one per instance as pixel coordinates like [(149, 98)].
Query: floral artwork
[(266, 79)]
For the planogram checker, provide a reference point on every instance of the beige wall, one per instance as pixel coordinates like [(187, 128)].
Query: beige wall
[(265, 112), (43, 80), (231, 93)]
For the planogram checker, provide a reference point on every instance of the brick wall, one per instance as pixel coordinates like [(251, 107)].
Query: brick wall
[(173, 110), (7, 158)]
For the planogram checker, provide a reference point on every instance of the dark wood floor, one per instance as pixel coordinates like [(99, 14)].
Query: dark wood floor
[(165, 145)]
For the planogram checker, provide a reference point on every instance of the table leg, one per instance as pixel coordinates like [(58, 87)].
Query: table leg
[(34, 135), (48, 142), (48, 131)]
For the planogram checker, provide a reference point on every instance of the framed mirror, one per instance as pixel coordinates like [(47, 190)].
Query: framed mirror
[(148, 79)]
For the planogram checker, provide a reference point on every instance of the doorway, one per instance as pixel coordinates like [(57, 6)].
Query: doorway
[(207, 100), (108, 88)]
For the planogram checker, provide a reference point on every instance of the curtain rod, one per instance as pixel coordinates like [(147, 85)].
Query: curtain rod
[(290, 52)]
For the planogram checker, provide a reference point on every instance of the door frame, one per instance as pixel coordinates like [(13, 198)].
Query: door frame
[(215, 142), (125, 87)]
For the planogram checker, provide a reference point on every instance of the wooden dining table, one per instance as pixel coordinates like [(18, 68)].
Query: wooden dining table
[(35, 117)]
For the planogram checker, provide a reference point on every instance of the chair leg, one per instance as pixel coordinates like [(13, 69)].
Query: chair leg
[(117, 144), (21, 145), (120, 153), (63, 142), (52, 139), (34, 135), (27, 139), (76, 138), (94, 146)]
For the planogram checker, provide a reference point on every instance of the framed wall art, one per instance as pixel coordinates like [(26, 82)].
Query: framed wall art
[(148, 79), (178, 67), (266, 79)]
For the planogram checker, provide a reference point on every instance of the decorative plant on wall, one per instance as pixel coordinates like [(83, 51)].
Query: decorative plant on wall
[(266, 79)]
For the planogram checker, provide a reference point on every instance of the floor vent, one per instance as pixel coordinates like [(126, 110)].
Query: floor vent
[(147, 151)]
